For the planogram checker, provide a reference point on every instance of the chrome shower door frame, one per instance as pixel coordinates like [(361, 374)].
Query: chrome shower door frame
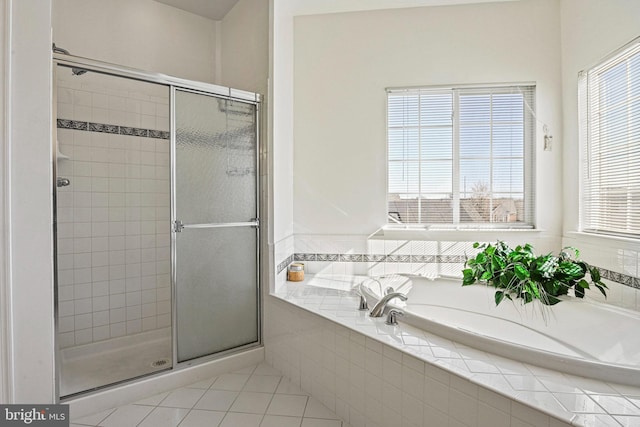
[(173, 84), (177, 226)]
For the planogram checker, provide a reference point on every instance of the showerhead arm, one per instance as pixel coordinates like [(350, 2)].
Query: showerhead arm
[(74, 71), (57, 49)]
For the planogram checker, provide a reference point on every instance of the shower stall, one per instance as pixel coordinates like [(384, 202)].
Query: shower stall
[(156, 223)]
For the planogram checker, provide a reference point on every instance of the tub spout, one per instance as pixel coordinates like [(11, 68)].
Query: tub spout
[(378, 309)]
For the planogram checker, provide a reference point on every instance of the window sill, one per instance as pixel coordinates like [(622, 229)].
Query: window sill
[(461, 234), (598, 239)]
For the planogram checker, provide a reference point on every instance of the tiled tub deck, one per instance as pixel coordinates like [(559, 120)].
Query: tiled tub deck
[(376, 375)]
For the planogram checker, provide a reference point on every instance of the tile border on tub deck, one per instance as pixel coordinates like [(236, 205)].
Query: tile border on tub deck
[(621, 278), (284, 264), (446, 259), (112, 129)]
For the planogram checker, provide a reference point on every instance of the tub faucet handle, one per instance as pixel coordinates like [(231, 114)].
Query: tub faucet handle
[(363, 306), (392, 315)]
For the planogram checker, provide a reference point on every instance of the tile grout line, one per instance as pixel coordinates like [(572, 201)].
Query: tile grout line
[(234, 400), (146, 416), (199, 399), (110, 413), (239, 392), (306, 403)]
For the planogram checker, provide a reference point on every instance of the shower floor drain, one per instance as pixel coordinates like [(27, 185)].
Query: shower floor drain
[(160, 363)]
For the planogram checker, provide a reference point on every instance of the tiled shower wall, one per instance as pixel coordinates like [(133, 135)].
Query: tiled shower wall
[(113, 220)]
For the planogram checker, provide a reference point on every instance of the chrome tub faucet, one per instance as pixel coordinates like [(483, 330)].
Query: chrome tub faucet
[(378, 309)]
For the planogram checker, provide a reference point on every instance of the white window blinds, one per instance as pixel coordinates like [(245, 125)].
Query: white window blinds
[(609, 116), (461, 156)]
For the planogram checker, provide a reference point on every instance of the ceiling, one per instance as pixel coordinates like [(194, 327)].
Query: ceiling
[(217, 9), (312, 7), (212, 9)]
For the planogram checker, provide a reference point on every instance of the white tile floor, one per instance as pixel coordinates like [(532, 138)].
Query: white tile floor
[(257, 396)]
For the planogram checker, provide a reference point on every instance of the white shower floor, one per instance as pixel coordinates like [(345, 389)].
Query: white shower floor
[(94, 365)]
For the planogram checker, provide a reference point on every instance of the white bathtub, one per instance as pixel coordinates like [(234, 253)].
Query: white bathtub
[(580, 337)]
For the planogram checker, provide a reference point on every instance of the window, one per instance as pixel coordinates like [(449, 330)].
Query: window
[(461, 157), (609, 116)]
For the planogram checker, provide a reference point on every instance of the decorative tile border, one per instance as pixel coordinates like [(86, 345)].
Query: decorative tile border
[(621, 278), (113, 129), (71, 124), (284, 264), (99, 127), (443, 259)]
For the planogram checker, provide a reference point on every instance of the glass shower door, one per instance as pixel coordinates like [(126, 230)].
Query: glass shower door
[(112, 229), (215, 224)]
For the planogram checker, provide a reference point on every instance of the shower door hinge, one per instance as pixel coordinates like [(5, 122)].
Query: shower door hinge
[(178, 226)]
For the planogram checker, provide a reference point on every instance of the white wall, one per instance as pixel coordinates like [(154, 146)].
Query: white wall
[(344, 62), (27, 194), (141, 34), (245, 46), (592, 29), (4, 293), (280, 122)]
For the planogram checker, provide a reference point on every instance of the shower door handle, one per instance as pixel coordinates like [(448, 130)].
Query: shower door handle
[(62, 182), (178, 225)]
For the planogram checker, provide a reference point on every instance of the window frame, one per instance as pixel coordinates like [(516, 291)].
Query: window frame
[(528, 157), (588, 78)]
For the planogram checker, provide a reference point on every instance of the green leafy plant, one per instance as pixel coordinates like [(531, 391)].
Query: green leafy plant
[(521, 274)]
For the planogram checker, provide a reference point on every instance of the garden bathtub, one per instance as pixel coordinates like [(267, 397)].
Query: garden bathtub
[(576, 336)]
